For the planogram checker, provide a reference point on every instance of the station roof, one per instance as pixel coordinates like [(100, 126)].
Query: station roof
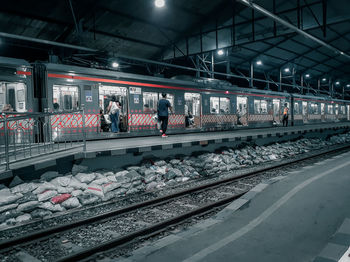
[(183, 30)]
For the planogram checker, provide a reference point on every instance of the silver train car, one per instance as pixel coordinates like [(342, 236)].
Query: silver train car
[(63, 88)]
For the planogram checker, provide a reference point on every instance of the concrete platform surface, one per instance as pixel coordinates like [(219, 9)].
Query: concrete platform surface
[(302, 217), (122, 146)]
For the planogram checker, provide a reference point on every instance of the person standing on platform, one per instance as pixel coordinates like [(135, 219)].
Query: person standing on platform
[(285, 115), (187, 116), (113, 111), (163, 113)]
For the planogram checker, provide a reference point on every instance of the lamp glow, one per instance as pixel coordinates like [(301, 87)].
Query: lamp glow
[(307, 75), (159, 3), (287, 70), (220, 52), (324, 79), (259, 62), (115, 64), (337, 83)]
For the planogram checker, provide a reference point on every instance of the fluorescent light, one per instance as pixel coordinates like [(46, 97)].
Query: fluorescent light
[(324, 79), (286, 69), (220, 52), (348, 85), (159, 3), (307, 75), (115, 64), (342, 53), (259, 62), (337, 83)]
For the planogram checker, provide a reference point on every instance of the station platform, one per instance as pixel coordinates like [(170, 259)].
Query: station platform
[(304, 216), (128, 148)]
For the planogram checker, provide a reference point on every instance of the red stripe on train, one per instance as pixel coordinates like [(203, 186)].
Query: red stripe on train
[(95, 79)]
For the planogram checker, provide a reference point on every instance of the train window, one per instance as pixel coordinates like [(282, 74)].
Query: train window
[(342, 110), (336, 109), (214, 105), (260, 106), (65, 97), (12, 97), (322, 108), (330, 109), (224, 105), (150, 102), (296, 108)]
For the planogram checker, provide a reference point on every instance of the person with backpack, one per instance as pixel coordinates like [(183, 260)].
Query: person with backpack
[(285, 115), (113, 111), (163, 114)]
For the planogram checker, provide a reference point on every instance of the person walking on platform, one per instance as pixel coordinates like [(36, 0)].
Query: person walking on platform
[(285, 115), (113, 111), (163, 113)]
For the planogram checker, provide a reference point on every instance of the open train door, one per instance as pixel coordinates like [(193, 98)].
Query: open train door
[(192, 110), (305, 117), (242, 112), (323, 116), (105, 95), (276, 110)]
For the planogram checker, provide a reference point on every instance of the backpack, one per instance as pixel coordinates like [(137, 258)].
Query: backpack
[(114, 108)]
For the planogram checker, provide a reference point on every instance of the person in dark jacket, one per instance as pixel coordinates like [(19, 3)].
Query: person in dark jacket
[(163, 113)]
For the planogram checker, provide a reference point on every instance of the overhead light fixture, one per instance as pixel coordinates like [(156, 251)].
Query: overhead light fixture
[(342, 53), (159, 3), (115, 64), (307, 75), (287, 70), (348, 85), (337, 83), (259, 62), (220, 52), (324, 79)]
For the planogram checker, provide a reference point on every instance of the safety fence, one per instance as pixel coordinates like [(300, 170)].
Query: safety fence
[(27, 135)]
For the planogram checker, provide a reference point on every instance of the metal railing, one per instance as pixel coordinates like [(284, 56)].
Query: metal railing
[(27, 135)]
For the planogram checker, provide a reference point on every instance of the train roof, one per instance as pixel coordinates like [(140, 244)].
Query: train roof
[(13, 62), (215, 85)]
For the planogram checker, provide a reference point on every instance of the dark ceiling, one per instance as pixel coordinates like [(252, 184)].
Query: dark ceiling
[(182, 32)]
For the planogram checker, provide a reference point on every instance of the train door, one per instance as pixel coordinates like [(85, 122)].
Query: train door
[(336, 111), (305, 111), (65, 97), (192, 110), (242, 112), (348, 111), (106, 93), (276, 110), (323, 117)]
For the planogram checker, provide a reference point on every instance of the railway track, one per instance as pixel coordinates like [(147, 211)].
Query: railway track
[(80, 239)]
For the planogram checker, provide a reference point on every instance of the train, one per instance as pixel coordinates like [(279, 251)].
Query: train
[(48, 87)]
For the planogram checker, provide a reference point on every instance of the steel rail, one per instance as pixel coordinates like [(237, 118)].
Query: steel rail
[(45, 233)]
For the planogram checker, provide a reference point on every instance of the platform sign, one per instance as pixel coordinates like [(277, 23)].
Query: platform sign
[(88, 95), (135, 90)]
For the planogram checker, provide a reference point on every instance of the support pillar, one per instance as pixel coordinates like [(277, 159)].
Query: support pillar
[(251, 82), (318, 86), (302, 84), (280, 81), (198, 73), (212, 65)]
